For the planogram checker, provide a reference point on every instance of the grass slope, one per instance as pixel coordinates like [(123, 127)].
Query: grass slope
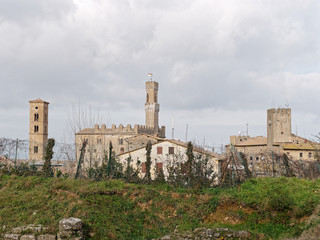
[(271, 208)]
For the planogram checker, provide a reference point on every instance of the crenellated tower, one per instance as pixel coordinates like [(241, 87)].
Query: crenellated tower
[(38, 129), (152, 106)]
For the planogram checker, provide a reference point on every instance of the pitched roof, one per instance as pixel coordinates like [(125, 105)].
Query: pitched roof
[(38, 101), (302, 146), (180, 143)]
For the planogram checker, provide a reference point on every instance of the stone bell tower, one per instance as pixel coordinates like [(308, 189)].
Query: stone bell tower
[(152, 106), (38, 129)]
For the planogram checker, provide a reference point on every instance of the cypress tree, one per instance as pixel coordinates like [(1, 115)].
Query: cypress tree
[(47, 170), (148, 161), (190, 163)]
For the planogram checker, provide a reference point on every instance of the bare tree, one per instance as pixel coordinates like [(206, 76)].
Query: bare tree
[(78, 119)]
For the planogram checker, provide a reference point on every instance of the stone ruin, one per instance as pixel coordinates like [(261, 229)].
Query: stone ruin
[(69, 228)]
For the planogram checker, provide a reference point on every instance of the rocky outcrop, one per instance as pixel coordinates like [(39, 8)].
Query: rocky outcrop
[(69, 228), (208, 234)]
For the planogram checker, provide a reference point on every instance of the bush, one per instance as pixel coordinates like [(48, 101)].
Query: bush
[(279, 199)]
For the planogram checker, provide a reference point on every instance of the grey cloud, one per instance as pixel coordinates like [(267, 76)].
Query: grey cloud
[(206, 55), (32, 10)]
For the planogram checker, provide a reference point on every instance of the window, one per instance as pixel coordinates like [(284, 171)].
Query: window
[(171, 150), (143, 167), (36, 128), (301, 154), (159, 150), (288, 153), (281, 132), (35, 149), (251, 158), (94, 150), (310, 155), (99, 140), (122, 150), (36, 107), (121, 141), (36, 117), (147, 97), (257, 158), (159, 167)]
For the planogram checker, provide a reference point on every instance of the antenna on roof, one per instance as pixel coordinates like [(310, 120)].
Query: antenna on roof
[(187, 133), (172, 128), (247, 129), (150, 76), (286, 104)]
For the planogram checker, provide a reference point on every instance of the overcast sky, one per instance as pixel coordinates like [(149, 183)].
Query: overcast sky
[(219, 64)]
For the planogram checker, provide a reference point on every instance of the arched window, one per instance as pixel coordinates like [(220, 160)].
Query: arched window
[(147, 97), (36, 117), (36, 128)]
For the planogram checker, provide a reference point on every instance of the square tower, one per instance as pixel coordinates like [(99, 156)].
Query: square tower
[(152, 106), (38, 129), (279, 126)]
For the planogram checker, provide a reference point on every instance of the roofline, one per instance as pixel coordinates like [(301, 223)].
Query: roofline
[(139, 134), (38, 101), (252, 145), (166, 140)]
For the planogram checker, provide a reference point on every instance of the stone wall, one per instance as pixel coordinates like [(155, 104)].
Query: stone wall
[(69, 228), (208, 234)]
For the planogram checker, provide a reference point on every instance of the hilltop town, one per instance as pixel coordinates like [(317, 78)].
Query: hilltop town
[(272, 155)]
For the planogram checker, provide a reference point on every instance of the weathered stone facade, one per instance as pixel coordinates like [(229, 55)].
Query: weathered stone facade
[(279, 126), (279, 140), (38, 129), (123, 139)]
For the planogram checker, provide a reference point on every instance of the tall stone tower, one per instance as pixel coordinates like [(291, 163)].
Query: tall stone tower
[(152, 106), (279, 126), (38, 129)]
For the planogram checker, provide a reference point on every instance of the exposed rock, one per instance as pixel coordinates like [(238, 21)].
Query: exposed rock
[(32, 228), (47, 237), (11, 236), (70, 228), (209, 234), (28, 237)]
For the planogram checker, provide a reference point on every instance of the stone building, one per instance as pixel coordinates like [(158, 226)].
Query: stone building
[(123, 138), (38, 129), (279, 140), (165, 154)]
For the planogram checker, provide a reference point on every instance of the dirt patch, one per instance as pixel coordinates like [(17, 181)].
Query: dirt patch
[(230, 213), (204, 198), (145, 206), (175, 195)]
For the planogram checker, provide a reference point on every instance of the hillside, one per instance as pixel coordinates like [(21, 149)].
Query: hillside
[(268, 208)]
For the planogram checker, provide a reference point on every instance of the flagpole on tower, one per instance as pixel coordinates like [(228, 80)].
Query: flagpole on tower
[(150, 76)]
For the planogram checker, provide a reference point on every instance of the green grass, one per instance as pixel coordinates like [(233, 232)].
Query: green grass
[(118, 210)]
